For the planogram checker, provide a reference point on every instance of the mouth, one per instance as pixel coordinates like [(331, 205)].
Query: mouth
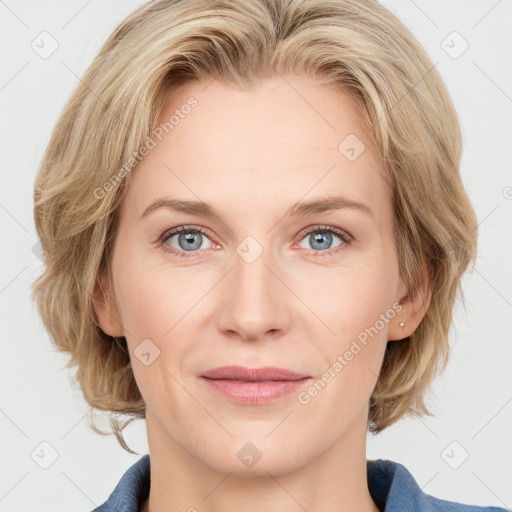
[(253, 386), (243, 373)]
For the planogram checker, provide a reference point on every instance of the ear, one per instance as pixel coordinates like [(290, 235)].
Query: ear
[(105, 306), (414, 308)]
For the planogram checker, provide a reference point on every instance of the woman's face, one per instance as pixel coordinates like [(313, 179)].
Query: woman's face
[(264, 284)]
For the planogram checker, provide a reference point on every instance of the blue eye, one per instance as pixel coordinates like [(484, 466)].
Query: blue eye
[(320, 239), (190, 239)]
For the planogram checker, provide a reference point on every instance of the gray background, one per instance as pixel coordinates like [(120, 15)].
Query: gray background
[(472, 401)]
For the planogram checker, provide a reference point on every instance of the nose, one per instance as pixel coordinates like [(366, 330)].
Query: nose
[(255, 299)]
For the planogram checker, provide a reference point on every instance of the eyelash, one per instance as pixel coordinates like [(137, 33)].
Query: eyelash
[(343, 235)]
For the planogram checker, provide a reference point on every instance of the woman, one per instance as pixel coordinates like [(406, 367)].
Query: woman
[(254, 230)]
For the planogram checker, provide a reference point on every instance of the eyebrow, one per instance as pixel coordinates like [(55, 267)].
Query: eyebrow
[(299, 209)]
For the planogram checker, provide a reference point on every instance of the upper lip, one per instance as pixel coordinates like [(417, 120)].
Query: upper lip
[(252, 374)]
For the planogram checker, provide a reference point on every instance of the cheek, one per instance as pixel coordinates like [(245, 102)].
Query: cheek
[(143, 307), (152, 297), (357, 306), (353, 297), (160, 303), (153, 306)]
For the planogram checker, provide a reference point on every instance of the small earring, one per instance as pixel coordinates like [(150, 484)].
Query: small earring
[(402, 324)]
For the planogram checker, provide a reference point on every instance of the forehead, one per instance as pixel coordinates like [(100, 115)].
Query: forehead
[(276, 142)]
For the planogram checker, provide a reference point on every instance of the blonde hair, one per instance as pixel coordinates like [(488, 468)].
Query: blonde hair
[(356, 45)]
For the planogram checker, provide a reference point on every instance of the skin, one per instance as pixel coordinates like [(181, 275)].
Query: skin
[(252, 154)]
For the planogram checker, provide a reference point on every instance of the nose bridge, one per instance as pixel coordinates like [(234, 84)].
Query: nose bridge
[(251, 270), (254, 300)]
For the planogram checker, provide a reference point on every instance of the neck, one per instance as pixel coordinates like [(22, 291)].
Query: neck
[(335, 480)]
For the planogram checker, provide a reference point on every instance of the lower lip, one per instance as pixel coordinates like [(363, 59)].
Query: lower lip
[(254, 393)]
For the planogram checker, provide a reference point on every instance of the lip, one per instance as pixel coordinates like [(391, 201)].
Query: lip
[(253, 386), (253, 374)]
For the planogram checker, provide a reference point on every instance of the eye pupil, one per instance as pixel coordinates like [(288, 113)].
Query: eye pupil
[(190, 238), (321, 237)]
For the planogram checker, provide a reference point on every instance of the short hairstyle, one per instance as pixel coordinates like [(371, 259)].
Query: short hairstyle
[(358, 46)]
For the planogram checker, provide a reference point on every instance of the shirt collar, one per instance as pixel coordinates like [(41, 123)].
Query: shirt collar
[(390, 484)]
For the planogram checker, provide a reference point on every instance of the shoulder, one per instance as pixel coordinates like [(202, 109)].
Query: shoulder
[(452, 506), (392, 485)]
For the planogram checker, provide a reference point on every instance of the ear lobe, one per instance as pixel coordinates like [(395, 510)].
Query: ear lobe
[(105, 307), (412, 313)]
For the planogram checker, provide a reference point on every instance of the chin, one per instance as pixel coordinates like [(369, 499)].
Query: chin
[(256, 458)]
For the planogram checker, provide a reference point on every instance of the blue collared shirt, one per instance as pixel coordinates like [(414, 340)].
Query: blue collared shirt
[(391, 486)]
